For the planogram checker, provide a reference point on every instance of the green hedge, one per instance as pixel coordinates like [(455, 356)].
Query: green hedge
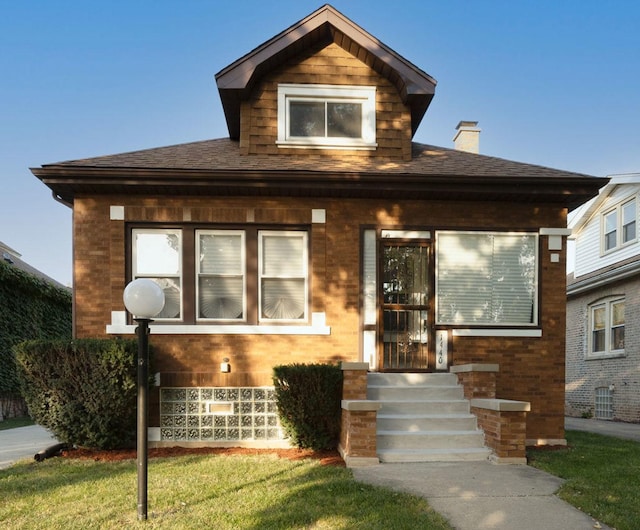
[(308, 398), (30, 308), (84, 391)]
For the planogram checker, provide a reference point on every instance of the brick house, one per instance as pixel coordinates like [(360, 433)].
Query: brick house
[(603, 304), (319, 232)]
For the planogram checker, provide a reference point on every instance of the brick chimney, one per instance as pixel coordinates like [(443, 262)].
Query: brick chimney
[(467, 137)]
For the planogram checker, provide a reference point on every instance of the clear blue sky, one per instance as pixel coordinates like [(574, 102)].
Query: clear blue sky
[(551, 82)]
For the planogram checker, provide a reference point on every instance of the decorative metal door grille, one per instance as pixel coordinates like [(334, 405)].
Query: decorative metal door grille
[(405, 318)]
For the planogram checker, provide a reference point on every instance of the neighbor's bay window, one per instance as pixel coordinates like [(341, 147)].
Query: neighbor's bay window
[(486, 278), (225, 275), (606, 323)]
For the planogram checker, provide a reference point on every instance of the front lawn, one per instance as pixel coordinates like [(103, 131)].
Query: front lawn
[(602, 476), (221, 492)]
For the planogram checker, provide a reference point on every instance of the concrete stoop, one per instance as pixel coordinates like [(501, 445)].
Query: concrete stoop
[(424, 418)]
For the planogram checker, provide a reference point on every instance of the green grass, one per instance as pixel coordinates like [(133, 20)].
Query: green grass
[(602, 476), (222, 492), (12, 423)]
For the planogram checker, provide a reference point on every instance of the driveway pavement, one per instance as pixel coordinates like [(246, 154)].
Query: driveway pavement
[(629, 431), (23, 443)]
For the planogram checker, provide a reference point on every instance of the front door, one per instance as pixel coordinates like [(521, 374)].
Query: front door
[(404, 327)]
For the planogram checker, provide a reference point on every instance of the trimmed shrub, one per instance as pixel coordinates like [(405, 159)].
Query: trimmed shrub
[(308, 398), (84, 391)]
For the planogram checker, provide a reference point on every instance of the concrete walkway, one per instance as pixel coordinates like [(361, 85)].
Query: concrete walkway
[(23, 443), (482, 495), (485, 496)]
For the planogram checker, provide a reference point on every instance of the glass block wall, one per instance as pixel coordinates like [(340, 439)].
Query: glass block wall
[(604, 403), (219, 414)]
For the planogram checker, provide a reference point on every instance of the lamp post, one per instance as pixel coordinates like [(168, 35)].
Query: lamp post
[(144, 299)]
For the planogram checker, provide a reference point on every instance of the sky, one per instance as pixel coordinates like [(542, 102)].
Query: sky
[(550, 82)]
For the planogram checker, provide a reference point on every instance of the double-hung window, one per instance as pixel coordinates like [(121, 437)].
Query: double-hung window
[(226, 276), (606, 327), (619, 225), (283, 275), (220, 269), (156, 254), (486, 278), (326, 116)]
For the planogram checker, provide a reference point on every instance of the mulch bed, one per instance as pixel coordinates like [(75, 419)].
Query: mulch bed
[(326, 458)]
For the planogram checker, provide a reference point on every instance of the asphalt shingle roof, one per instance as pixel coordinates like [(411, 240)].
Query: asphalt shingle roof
[(223, 154)]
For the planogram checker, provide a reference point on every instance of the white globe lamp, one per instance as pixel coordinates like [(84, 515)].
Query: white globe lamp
[(143, 298)]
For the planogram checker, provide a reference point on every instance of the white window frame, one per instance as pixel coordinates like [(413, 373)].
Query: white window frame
[(609, 351), (365, 95), (303, 276), (243, 269), (532, 322), (179, 275), (618, 212)]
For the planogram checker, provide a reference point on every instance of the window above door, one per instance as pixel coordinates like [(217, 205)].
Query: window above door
[(327, 116)]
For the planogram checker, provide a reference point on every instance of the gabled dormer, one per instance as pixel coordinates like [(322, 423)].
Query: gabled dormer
[(326, 86), (605, 230)]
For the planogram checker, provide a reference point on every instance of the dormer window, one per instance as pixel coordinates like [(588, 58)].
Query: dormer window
[(619, 226), (327, 116)]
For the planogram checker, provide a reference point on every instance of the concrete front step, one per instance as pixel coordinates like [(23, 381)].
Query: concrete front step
[(411, 379), (433, 406), (434, 455), (423, 417), (429, 439), (414, 392), (427, 422)]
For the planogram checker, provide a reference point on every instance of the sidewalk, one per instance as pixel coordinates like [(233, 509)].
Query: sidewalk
[(628, 431), (23, 443)]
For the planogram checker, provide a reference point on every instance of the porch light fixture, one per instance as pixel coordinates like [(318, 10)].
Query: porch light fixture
[(144, 299)]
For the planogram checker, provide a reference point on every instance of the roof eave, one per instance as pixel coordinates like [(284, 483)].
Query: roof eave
[(67, 182)]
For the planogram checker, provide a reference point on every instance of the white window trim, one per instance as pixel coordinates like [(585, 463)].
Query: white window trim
[(608, 352), (618, 209), (362, 94), (119, 326)]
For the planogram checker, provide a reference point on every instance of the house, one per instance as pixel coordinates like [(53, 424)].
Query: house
[(318, 231), (603, 301), (32, 306)]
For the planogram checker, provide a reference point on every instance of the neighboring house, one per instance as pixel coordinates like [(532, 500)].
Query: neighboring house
[(14, 258), (319, 232), (603, 305), (32, 306)]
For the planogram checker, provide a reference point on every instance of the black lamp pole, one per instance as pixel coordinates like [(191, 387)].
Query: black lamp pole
[(143, 417)]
